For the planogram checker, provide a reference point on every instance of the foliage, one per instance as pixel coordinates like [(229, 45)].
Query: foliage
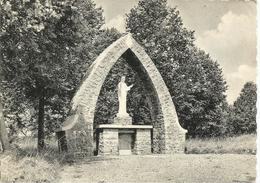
[(4, 141), (243, 112), (194, 80), (17, 111), (45, 48)]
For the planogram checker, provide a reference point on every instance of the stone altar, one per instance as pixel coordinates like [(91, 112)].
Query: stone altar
[(121, 137)]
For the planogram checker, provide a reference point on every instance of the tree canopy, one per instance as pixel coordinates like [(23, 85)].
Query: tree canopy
[(46, 47), (194, 80), (244, 110)]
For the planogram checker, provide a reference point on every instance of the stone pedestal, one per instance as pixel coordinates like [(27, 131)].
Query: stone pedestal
[(123, 120), (108, 142), (143, 141)]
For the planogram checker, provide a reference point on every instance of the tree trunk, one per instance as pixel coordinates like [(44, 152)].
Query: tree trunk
[(3, 132), (62, 142), (41, 123)]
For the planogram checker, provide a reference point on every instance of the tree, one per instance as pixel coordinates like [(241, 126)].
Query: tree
[(244, 110), (16, 108), (226, 118), (194, 80), (45, 48), (3, 132)]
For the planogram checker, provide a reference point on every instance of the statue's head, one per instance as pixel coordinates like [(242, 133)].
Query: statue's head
[(123, 78)]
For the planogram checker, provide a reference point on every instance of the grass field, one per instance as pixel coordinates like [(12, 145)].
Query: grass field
[(25, 164), (244, 144)]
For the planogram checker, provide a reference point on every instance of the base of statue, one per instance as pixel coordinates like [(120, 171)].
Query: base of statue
[(123, 119)]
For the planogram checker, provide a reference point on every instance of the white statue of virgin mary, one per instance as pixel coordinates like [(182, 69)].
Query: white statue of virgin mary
[(122, 94)]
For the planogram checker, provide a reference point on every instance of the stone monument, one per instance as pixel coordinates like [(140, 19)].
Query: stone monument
[(163, 136)]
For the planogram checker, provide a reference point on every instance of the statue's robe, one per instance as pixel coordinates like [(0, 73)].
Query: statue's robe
[(122, 94)]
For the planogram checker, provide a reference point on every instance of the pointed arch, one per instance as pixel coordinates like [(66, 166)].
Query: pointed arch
[(168, 135)]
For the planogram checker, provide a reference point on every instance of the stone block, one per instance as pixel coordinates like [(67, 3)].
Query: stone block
[(80, 142), (108, 142), (143, 141), (123, 120)]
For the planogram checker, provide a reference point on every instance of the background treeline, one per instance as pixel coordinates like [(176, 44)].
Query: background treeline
[(47, 46)]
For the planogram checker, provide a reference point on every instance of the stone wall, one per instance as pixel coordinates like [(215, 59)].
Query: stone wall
[(169, 135), (143, 141), (79, 143), (80, 140), (108, 142)]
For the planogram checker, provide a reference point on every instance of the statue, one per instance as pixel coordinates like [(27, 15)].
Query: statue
[(122, 94)]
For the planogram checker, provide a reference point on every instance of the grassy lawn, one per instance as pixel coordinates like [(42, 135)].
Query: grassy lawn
[(244, 144), (27, 169), (25, 164)]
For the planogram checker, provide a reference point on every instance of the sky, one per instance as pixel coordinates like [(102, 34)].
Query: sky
[(226, 29)]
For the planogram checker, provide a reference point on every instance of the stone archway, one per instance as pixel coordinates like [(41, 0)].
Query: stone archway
[(168, 135)]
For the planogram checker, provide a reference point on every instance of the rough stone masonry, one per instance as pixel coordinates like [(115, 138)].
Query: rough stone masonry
[(167, 134)]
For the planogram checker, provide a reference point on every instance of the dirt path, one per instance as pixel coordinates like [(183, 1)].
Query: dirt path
[(228, 168)]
